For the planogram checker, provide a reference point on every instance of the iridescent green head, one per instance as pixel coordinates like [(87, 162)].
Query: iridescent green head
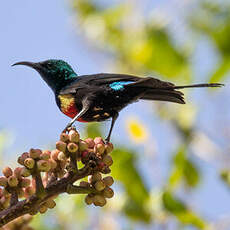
[(56, 73)]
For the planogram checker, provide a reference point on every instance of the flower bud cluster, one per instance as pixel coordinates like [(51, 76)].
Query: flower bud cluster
[(98, 153), (12, 181), (101, 187), (35, 160), (51, 166)]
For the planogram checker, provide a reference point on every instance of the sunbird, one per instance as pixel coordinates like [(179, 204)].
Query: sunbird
[(98, 97)]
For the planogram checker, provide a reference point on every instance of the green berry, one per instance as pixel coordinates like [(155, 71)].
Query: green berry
[(60, 145), (43, 166), (7, 172), (35, 153), (108, 192), (99, 200), (12, 181), (108, 180), (29, 163), (99, 185), (3, 181), (88, 199), (72, 147), (74, 136)]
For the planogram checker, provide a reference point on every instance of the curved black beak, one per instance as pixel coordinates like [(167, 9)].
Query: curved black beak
[(30, 64)]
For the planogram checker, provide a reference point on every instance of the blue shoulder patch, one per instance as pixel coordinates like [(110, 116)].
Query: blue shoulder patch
[(119, 85)]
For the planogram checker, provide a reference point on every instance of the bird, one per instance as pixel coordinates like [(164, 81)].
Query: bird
[(98, 97)]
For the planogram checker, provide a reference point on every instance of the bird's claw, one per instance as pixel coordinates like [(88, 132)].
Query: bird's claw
[(69, 126), (107, 140)]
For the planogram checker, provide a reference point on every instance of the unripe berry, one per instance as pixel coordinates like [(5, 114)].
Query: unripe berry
[(25, 172), (84, 184), (64, 137), (21, 193), (108, 180), (107, 159), (3, 181), (43, 166), (106, 170), (74, 136), (101, 165), (53, 163), (54, 154), (84, 157), (5, 201), (72, 147), (60, 145), (22, 158), (99, 185), (12, 181), (35, 153), (99, 200), (45, 155), (108, 192), (108, 148), (43, 209), (50, 203), (89, 199), (5, 193), (82, 145), (7, 172), (98, 140), (90, 142), (99, 148), (17, 172), (29, 163), (62, 156), (25, 182), (29, 191), (95, 177)]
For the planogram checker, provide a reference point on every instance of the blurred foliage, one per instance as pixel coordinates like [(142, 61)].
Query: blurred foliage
[(138, 45), (212, 19), (124, 170), (179, 209), (183, 170)]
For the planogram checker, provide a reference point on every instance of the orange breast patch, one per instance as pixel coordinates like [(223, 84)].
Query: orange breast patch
[(68, 106)]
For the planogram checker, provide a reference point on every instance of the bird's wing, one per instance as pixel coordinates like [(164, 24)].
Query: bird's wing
[(100, 79), (114, 81)]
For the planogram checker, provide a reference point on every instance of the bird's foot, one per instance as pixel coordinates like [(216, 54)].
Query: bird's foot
[(107, 140), (68, 127)]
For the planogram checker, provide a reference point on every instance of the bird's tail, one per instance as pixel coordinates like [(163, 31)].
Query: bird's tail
[(199, 85), (166, 91)]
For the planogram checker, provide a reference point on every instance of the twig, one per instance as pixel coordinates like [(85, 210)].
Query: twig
[(55, 188)]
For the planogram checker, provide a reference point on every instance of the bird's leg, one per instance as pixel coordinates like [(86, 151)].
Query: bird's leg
[(82, 112), (114, 118)]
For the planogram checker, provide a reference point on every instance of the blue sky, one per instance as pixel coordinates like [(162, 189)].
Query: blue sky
[(39, 30)]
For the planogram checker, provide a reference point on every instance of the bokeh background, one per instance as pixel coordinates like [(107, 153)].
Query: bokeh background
[(171, 162)]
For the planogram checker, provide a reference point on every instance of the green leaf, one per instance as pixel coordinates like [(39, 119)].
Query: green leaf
[(191, 173), (179, 209), (136, 212), (172, 204), (183, 169)]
